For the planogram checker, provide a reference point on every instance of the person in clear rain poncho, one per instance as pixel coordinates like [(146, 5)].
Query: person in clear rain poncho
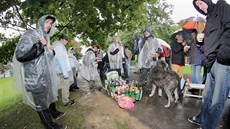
[(74, 65), (34, 74), (150, 50), (115, 54), (88, 73)]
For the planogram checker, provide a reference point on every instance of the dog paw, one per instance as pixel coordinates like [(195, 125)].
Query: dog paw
[(159, 94), (176, 101), (151, 95), (167, 106)]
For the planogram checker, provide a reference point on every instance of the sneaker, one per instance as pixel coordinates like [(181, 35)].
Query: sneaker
[(194, 121), (60, 115), (99, 88), (70, 102), (76, 87), (71, 89)]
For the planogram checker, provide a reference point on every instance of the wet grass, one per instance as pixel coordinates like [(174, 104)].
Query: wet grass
[(16, 115), (8, 96), (122, 125)]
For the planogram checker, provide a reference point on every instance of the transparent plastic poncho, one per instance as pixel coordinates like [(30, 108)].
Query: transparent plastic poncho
[(36, 79), (146, 56)]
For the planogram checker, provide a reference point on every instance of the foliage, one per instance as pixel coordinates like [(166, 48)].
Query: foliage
[(91, 20), (16, 115), (158, 20), (8, 96), (7, 50)]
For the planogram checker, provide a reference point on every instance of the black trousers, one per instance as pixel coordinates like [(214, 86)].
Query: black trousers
[(125, 70), (100, 68), (46, 117)]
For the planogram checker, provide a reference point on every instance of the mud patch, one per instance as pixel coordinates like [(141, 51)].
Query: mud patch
[(104, 113)]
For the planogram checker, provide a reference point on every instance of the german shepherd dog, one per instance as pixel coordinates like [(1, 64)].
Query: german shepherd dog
[(162, 78)]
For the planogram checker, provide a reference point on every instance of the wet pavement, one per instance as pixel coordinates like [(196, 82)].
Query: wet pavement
[(151, 111)]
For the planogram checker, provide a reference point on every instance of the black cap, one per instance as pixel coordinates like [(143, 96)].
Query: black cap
[(62, 36)]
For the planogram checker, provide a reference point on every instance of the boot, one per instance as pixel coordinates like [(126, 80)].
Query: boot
[(54, 112), (45, 117)]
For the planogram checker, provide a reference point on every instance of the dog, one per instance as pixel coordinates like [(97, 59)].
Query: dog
[(162, 78)]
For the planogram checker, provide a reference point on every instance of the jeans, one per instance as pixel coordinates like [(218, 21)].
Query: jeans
[(215, 94), (196, 76)]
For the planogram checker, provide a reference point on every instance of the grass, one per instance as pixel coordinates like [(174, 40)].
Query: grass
[(121, 125), (187, 69), (16, 115), (8, 96)]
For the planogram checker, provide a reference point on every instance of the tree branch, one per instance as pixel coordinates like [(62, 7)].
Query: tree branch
[(17, 10), (14, 29), (62, 28)]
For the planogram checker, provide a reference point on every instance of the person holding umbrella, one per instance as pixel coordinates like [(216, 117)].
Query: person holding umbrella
[(216, 39), (178, 54)]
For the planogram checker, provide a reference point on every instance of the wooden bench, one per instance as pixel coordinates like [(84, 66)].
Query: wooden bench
[(188, 86)]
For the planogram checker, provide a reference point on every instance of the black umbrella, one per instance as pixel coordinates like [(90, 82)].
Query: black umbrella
[(186, 34)]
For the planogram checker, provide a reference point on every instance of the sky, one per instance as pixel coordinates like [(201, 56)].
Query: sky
[(182, 9)]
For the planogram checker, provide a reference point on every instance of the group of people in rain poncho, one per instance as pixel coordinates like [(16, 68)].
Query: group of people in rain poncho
[(36, 75)]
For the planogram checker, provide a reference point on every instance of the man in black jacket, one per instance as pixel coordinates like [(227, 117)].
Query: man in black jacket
[(216, 45)]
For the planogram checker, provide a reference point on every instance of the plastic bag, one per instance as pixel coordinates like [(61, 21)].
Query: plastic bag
[(125, 102)]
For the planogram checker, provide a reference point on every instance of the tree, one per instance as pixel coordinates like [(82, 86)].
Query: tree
[(93, 20), (158, 19), (7, 50)]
